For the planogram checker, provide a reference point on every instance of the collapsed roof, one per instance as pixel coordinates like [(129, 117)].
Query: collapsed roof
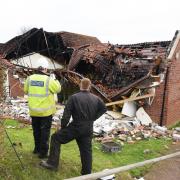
[(114, 69)]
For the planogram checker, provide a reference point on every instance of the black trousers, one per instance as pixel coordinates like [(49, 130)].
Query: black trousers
[(66, 135), (41, 132)]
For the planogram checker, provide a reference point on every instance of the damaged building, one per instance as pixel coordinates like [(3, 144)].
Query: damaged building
[(146, 73)]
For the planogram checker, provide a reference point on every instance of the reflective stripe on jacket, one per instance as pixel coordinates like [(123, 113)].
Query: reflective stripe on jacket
[(40, 90)]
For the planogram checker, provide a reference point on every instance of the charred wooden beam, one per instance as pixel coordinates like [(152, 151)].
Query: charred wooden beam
[(119, 94), (75, 78)]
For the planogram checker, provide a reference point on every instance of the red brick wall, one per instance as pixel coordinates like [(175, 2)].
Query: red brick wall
[(171, 114), (173, 90), (154, 110), (16, 88)]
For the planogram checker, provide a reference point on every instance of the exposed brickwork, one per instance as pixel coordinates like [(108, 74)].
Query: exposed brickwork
[(173, 90), (171, 114), (16, 88), (155, 109)]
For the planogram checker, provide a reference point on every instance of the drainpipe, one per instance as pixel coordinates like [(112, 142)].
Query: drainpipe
[(164, 97)]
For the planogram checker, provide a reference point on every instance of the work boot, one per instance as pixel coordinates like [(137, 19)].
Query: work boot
[(44, 164)]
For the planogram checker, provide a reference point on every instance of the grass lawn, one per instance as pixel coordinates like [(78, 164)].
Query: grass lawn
[(70, 159)]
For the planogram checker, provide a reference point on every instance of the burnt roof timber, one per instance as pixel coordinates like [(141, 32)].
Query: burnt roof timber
[(23, 44)]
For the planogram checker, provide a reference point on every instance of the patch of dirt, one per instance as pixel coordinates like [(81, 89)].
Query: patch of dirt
[(167, 169)]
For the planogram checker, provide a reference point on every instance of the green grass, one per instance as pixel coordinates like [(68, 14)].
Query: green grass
[(70, 159), (175, 125)]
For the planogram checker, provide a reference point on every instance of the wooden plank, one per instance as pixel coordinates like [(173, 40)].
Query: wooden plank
[(130, 99)]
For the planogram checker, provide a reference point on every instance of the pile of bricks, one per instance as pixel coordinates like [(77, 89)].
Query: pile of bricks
[(123, 135)]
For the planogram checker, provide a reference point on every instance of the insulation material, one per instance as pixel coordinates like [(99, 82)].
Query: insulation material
[(129, 109), (35, 60), (143, 117)]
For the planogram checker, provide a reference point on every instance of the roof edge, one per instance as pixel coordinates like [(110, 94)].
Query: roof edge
[(174, 44)]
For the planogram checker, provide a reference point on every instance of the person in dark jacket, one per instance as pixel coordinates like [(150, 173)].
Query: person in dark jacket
[(85, 108)]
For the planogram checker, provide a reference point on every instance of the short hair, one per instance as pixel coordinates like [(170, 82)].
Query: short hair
[(85, 84)]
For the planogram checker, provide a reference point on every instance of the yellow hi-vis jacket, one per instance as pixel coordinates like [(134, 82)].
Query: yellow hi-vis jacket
[(40, 90)]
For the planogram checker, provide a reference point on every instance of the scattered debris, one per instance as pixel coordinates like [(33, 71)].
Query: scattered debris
[(143, 117), (147, 151), (110, 177), (111, 147), (109, 127), (112, 125), (141, 178), (177, 129), (176, 137)]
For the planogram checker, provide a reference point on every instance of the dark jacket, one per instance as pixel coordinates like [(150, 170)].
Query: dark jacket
[(85, 108)]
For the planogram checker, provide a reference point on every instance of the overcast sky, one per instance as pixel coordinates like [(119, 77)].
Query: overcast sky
[(116, 21)]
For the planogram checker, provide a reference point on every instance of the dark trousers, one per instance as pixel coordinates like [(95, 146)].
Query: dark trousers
[(41, 132), (64, 136)]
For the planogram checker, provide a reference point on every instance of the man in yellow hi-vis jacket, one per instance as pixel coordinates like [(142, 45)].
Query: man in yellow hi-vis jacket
[(40, 89)]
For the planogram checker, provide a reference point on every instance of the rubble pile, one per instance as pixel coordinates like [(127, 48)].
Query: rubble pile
[(16, 109), (176, 134), (111, 126), (130, 130), (19, 109), (124, 76)]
